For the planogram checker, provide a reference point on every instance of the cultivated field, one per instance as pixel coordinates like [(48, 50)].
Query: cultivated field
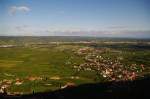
[(30, 64)]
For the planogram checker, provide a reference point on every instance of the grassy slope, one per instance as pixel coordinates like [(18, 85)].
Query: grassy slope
[(44, 62), (49, 61)]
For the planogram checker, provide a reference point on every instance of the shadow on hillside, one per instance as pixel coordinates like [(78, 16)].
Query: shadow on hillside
[(110, 90)]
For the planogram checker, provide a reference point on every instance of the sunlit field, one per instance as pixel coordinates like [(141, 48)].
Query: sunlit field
[(33, 65)]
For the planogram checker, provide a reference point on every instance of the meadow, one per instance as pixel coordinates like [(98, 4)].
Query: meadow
[(40, 64)]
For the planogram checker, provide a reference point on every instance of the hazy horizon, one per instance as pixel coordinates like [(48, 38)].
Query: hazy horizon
[(85, 18)]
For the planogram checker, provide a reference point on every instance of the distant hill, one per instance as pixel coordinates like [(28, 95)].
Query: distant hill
[(46, 39)]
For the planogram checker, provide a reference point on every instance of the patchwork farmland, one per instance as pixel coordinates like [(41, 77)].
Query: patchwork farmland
[(39, 64)]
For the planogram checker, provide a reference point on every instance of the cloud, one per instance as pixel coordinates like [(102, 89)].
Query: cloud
[(118, 27), (134, 33), (100, 33), (27, 30), (21, 28), (14, 9)]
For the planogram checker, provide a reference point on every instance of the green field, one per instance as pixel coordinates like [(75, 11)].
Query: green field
[(43, 67)]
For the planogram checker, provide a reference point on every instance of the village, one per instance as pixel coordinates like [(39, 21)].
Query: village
[(111, 69)]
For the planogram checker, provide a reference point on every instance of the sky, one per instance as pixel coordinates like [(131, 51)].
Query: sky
[(100, 18)]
